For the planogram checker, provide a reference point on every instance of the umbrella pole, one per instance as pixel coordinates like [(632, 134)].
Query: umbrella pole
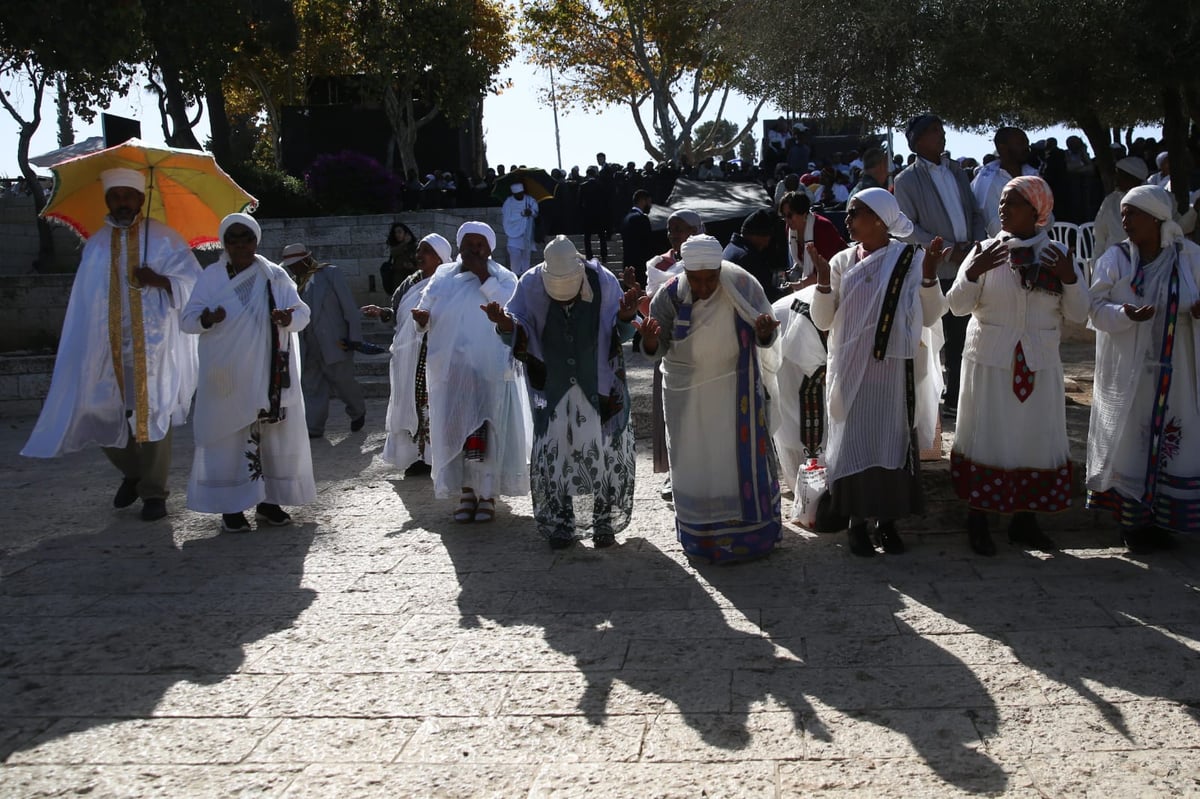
[(146, 221)]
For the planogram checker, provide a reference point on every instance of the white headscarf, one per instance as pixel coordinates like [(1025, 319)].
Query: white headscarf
[(701, 252), (563, 270), (239, 219), (888, 210), (481, 228), (1156, 201), (690, 218), (439, 245)]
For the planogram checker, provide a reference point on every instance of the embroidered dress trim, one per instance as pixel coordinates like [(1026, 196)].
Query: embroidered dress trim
[(991, 488)]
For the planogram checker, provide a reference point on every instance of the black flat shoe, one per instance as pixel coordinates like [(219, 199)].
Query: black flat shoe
[(1024, 531), (126, 493), (1161, 538), (603, 540), (1138, 540), (860, 541), (154, 509), (889, 539), (978, 536)]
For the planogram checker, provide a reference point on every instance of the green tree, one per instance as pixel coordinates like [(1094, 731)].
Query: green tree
[(667, 61), (90, 46), (714, 132)]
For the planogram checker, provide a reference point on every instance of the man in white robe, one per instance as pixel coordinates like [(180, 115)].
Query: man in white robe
[(1012, 147), (1130, 172), (479, 421), (124, 372), (519, 211), (251, 441)]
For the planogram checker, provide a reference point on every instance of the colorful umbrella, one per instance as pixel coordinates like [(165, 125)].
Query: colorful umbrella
[(185, 190), (538, 184)]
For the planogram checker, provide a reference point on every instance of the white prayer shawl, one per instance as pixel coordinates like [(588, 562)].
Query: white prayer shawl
[(657, 274), (800, 257), (84, 405), (851, 313), (802, 353), (1004, 313), (402, 421), (473, 378), (235, 353), (1124, 348)]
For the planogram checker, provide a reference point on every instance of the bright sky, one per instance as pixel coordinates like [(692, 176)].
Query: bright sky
[(519, 127)]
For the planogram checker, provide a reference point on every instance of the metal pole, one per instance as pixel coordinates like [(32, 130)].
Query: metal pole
[(554, 105)]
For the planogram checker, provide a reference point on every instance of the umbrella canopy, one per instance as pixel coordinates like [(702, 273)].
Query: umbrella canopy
[(538, 184), (185, 190)]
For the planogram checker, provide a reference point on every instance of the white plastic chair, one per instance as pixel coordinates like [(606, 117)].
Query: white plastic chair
[(1065, 233), (1085, 249)]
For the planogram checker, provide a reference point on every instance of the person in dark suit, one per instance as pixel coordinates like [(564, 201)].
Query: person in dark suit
[(636, 236), (327, 344), (595, 208)]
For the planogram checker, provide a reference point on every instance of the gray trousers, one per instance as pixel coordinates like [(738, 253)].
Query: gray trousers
[(321, 382), (147, 463)]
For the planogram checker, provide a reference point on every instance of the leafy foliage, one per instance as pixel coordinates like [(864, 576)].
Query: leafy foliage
[(278, 193), (671, 57)]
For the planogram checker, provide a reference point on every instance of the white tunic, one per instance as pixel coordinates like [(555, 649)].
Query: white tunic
[(803, 352), (235, 359), (1128, 369), (472, 379), (866, 405), (85, 405), (399, 449)]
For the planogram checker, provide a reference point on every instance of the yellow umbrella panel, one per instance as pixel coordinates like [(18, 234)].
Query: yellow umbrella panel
[(185, 190)]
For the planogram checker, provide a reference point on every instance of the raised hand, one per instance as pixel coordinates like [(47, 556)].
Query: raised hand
[(650, 330), (935, 253), (371, 311), (1062, 264), (764, 327), (985, 260), (820, 265), (1144, 312), (208, 317), (497, 316)]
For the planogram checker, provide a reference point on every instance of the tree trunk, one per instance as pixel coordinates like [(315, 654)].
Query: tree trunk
[(1175, 126), (182, 134), (66, 131), (1098, 136), (272, 109), (218, 120)]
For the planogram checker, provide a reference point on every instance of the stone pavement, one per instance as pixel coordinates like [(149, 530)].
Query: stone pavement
[(378, 649)]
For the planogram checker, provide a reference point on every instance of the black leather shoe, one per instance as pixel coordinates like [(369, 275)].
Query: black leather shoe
[(1024, 531), (234, 523), (272, 514), (153, 509), (418, 469), (357, 424), (978, 535), (126, 493), (603, 540), (860, 541), (1161, 538), (1138, 540), (889, 539)]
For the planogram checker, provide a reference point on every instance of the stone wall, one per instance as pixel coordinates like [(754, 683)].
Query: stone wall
[(19, 240), (32, 306)]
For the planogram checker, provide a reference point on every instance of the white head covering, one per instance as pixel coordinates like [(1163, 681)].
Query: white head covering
[(1156, 201), (439, 245), (482, 228), (1134, 166), (119, 177), (517, 187), (563, 271), (887, 209), (690, 218), (701, 252), (1160, 158), (239, 219)]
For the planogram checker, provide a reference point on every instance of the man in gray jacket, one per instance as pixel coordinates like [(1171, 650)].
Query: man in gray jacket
[(936, 195), (327, 344)]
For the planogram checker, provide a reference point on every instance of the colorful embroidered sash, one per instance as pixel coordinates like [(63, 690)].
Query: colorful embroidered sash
[(137, 328), (1159, 418)]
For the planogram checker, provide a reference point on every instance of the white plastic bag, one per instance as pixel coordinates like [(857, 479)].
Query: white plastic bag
[(810, 485)]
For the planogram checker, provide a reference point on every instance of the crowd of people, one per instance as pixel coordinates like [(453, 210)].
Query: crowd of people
[(816, 365)]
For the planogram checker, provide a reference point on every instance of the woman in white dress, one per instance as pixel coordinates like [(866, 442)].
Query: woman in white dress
[(877, 299), (1145, 298), (1010, 450)]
